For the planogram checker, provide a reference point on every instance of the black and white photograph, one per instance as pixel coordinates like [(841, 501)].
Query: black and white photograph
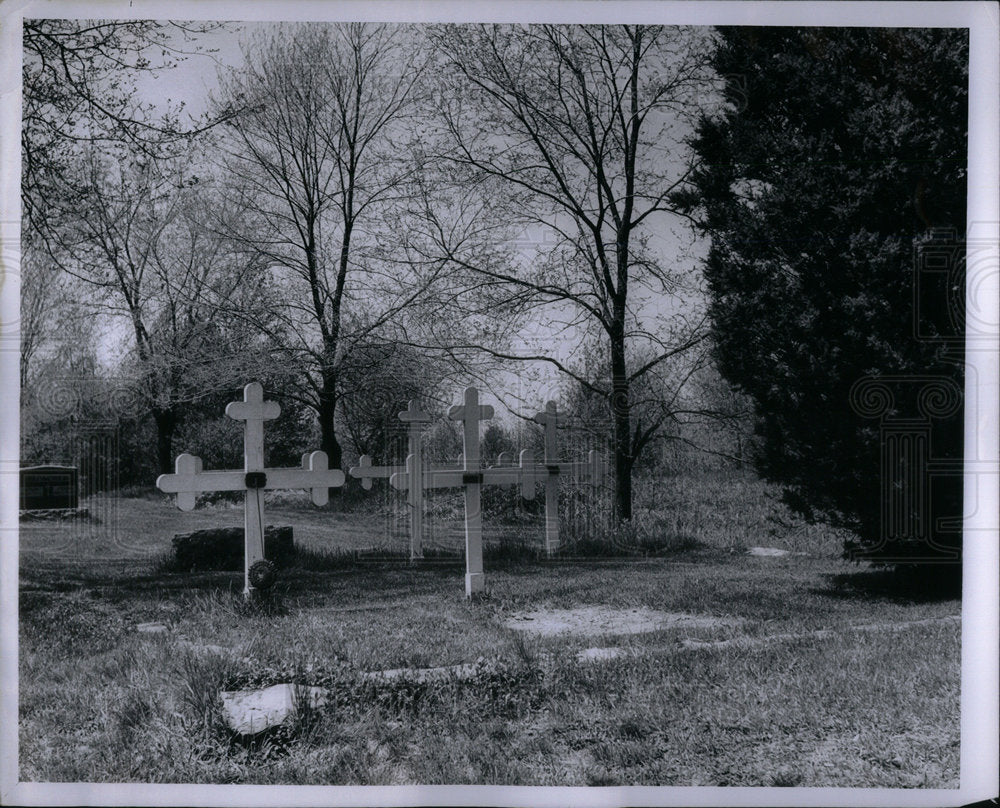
[(560, 403)]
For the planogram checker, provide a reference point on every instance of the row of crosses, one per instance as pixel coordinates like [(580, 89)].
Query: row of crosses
[(190, 479)]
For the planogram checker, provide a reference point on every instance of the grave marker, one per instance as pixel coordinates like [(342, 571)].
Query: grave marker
[(415, 418), (49, 487), (471, 476), (593, 468), (470, 413), (190, 479)]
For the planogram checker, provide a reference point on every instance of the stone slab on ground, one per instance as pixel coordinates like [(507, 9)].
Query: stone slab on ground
[(768, 552), (250, 712), (152, 628), (439, 674), (694, 644), (817, 634), (596, 620)]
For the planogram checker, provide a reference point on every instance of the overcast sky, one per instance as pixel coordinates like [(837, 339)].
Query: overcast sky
[(194, 78)]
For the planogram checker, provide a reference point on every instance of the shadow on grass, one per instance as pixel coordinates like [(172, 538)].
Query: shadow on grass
[(910, 583), (502, 555), (308, 571), (112, 580)]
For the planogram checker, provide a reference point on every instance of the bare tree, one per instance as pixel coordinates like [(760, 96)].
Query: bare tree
[(318, 159), (574, 133), (382, 378), (139, 243), (43, 295), (78, 81)]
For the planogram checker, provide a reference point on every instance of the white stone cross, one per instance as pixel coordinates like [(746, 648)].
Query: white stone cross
[(470, 413), (469, 476), (189, 478), (593, 468), (415, 418)]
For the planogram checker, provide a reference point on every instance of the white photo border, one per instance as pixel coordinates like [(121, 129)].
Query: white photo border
[(980, 615)]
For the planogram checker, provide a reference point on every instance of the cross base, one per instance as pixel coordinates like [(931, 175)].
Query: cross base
[(475, 584)]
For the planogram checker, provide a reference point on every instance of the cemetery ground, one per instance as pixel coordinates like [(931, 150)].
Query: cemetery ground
[(688, 660)]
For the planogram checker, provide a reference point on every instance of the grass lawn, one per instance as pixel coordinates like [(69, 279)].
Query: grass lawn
[(833, 678)]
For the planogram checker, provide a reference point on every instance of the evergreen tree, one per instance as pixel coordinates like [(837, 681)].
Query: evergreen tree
[(832, 180)]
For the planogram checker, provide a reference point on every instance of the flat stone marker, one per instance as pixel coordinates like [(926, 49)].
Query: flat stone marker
[(600, 654), (767, 552), (152, 628), (440, 674), (596, 620), (249, 712)]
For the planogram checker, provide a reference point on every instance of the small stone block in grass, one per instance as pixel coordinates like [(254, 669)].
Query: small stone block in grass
[(221, 548), (250, 712), (151, 628)]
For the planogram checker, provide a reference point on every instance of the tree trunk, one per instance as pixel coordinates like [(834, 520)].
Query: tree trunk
[(327, 426), (166, 425), (328, 437), (621, 416)]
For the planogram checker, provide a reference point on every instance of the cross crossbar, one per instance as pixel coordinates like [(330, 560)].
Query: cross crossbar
[(190, 479), (366, 472), (319, 479)]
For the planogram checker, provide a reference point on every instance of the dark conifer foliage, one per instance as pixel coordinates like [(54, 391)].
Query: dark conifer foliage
[(833, 186)]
